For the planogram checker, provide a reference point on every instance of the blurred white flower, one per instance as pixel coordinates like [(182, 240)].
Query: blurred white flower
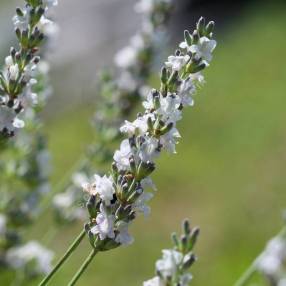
[(271, 260), (126, 82), (3, 222), (19, 256), (126, 57)]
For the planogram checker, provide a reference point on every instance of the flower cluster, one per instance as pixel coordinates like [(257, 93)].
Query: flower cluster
[(24, 166), (24, 174), (173, 268), (271, 262), (18, 75), (115, 200), (118, 96), (32, 258)]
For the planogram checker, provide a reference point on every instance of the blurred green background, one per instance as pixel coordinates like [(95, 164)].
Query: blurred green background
[(228, 176)]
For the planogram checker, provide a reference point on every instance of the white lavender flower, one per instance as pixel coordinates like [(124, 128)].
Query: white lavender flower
[(138, 126), (123, 237), (203, 49), (122, 155), (177, 62), (20, 256), (173, 267), (105, 224), (169, 263)]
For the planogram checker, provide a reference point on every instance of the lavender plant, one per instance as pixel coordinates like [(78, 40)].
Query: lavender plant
[(17, 77), (173, 268), (119, 93), (117, 198), (25, 160)]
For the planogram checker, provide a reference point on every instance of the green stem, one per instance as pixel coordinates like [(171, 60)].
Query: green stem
[(71, 249), (246, 276), (83, 267)]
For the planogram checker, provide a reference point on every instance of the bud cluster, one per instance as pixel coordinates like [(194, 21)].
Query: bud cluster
[(173, 268), (18, 75), (117, 199)]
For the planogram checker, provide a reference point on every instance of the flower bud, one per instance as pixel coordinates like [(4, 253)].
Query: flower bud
[(91, 207), (193, 237), (166, 128), (196, 37), (132, 164), (201, 26), (145, 169), (189, 261), (164, 75), (210, 28), (175, 239), (19, 12), (186, 227), (188, 37)]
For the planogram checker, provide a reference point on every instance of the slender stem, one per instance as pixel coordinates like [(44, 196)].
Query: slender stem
[(71, 249), (83, 267), (245, 277)]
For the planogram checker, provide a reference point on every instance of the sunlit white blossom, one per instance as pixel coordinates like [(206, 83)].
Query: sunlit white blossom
[(122, 155), (167, 266), (177, 62), (140, 125), (204, 48), (104, 224), (104, 188), (169, 108)]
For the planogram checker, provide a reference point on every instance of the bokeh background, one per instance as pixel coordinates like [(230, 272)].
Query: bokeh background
[(229, 174)]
